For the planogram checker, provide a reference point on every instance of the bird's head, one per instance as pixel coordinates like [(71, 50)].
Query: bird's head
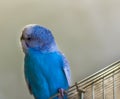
[(38, 38)]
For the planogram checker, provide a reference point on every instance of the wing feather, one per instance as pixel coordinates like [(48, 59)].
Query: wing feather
[(66, 69)]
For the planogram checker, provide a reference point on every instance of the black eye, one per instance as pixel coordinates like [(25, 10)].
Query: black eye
[(29, 38)]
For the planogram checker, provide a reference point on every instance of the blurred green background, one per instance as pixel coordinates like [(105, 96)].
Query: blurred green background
[(87, 31)]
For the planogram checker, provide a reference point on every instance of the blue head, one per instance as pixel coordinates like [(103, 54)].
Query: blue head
[(38, 38)]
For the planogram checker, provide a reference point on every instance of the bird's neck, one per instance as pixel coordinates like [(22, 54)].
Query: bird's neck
[(52, 48), (47, 49)]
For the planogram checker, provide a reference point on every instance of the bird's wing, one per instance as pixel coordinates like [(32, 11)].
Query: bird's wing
[(66, 69)]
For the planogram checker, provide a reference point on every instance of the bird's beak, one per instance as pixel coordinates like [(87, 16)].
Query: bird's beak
[(23, 43), (22, 37)]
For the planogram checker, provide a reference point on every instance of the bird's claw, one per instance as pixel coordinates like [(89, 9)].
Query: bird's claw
[(61, 93)]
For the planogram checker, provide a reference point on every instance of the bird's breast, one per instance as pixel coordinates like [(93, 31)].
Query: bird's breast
[(47, 65), (45, 72)]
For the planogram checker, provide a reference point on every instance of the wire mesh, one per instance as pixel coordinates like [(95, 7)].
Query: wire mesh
[(104, 84)]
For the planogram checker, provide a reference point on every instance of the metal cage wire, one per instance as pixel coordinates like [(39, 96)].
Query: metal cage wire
[(104, 84)]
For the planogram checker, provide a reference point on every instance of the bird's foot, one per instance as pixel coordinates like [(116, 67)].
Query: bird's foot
[(61, 93)]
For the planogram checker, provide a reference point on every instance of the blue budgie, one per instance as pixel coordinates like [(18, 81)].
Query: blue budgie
[(46, 69)]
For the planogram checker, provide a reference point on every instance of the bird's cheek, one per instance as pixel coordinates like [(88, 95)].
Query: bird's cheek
[(42, 44), (24, 46)]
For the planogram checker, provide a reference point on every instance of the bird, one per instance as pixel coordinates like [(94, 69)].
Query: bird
[(46, 69)]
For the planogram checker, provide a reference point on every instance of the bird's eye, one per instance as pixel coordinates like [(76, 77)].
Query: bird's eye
[(29, 38)]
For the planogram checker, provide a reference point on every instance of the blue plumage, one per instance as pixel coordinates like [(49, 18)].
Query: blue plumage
[(46, 68)]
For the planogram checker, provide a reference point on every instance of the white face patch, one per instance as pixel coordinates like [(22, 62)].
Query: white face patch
[(28, 29), (24, 46)]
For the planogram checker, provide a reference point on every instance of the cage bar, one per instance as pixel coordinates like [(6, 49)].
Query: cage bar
[(104, 83)]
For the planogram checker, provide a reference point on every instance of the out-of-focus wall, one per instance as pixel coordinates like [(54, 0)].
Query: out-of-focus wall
[(87, 31)]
